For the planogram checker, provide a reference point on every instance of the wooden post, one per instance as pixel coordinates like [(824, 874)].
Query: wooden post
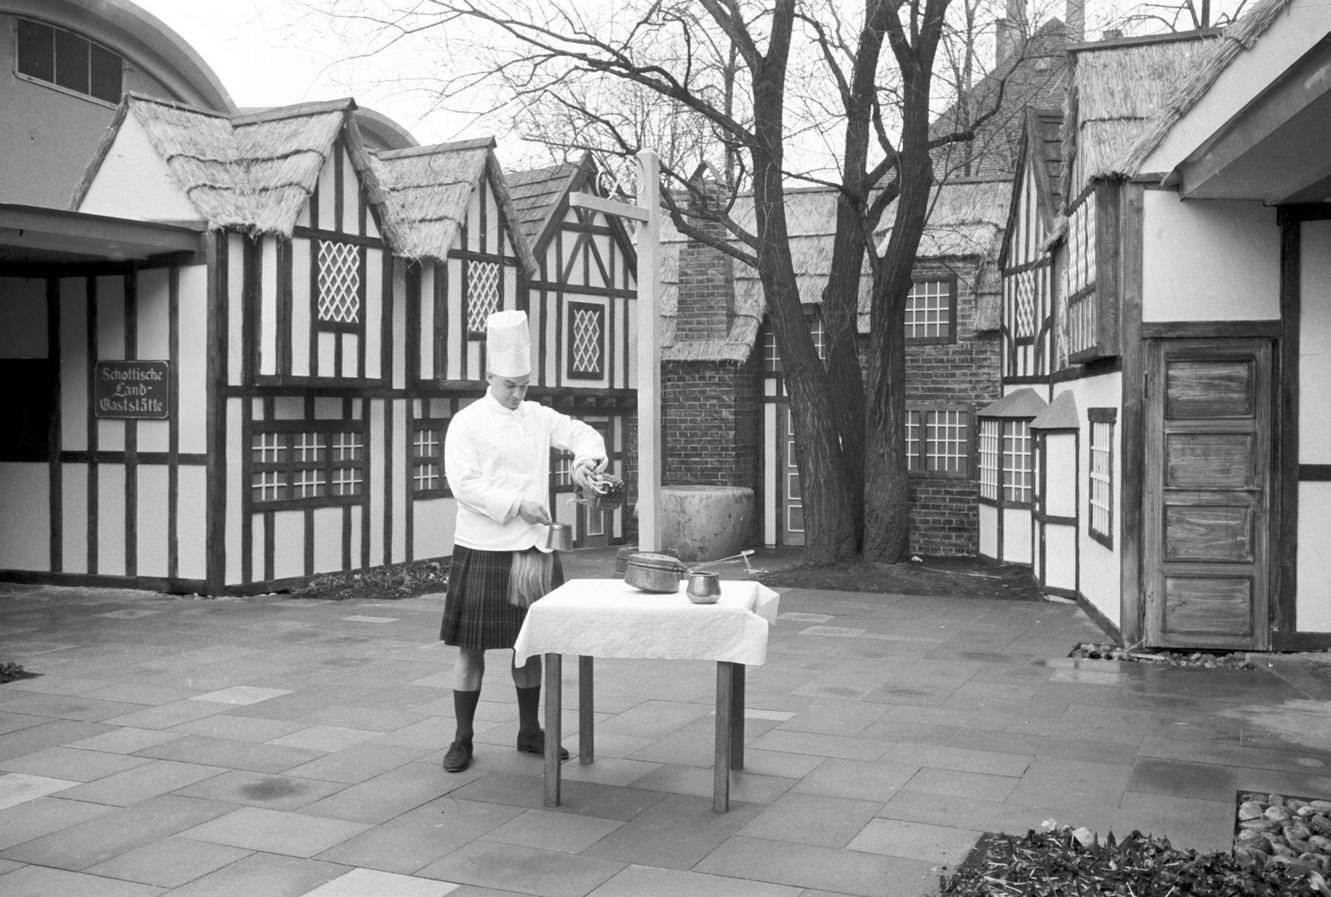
[(648, 212)]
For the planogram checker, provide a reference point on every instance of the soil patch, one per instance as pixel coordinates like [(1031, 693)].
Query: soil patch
[(942, 576)]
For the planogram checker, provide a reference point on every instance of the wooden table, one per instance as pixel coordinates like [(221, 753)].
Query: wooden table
[(608, 618)]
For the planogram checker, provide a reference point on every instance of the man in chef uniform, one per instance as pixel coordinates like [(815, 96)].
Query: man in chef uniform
[(497, 461)]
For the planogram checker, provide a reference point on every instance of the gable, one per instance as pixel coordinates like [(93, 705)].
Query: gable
[(133, 181)]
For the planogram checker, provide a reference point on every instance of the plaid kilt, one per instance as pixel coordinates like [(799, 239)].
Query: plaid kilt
[(477, 613)]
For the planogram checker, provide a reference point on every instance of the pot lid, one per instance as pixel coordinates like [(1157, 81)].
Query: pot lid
[(653, 561)]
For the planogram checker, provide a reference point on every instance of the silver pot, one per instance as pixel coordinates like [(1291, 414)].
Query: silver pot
[(558, 537), (652, 572), (703, 587)]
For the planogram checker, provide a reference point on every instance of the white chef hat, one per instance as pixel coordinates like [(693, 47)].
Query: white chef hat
[(508, 344)]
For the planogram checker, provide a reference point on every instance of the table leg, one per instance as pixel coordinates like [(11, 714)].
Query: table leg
[(554, 715), (737, 715), (586, 736), (725, 682)]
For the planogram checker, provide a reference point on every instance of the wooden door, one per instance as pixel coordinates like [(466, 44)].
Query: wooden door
[(1208, 492), (790, 500)]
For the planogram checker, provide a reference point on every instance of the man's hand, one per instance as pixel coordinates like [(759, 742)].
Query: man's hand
[(533, 512), (584, 472)]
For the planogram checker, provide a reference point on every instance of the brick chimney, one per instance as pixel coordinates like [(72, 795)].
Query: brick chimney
[(1012, 32), (706, 302), (1076, 21)]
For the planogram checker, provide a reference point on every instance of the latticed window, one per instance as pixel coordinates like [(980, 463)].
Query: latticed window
[(427, 458), (561, 469), (771, 354), (1101, 474), (930, 309), (1024, 319), (1006, 460), (938, 441), (991, 457), (483, 294), (307, 463), (339, 284), (586, 336), (1017, 461)]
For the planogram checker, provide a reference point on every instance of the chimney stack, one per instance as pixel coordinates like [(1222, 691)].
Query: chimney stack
[(1076, 21), (1011, 34)]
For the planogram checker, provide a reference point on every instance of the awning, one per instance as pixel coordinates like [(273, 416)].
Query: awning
[(30, 235)]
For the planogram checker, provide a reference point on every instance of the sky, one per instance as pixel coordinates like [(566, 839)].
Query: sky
[(276, 52)]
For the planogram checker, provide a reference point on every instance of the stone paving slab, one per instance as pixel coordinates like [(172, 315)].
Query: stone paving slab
[(281, 747)]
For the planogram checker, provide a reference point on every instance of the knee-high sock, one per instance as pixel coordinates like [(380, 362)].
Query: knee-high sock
[(529, 702), (464, 710)]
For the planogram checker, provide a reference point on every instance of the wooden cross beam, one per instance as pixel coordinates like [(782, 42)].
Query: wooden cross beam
[(647, 211)]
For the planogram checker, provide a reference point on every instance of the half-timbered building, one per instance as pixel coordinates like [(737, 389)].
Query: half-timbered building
[(260, 394), (1179, 465)]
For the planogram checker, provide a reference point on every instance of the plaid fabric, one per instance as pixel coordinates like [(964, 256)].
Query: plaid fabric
[(477, 614)]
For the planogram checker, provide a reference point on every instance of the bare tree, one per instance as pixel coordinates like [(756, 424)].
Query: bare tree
[(791, 92)]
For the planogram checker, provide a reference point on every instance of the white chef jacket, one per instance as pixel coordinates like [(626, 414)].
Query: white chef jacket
[(494, 458)]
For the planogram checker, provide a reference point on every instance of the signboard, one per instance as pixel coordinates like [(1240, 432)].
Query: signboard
[(131, 390)]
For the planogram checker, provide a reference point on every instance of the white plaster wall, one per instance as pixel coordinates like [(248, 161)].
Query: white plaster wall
[(988, 531), (1100, 580), (25, 538), (1315, 345), (134, 182), (1313, 602), (1017, 536), (192, 522), (1061, 487), (152, 515), (1208, 261), (1060, 563), (432, 527)]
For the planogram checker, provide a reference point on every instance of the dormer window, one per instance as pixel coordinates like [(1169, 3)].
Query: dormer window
[(68, 60)]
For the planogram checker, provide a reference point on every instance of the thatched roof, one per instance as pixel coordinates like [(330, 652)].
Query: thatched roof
[(255, 172), (965, 224), (252, 172), (1236, 39), (1118, 87), (425, 192)]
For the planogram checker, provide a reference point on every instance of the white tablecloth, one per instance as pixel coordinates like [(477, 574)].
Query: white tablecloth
[(609, 618)]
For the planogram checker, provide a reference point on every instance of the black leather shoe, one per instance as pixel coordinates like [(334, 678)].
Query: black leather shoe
[(458, 757), (534, 743)]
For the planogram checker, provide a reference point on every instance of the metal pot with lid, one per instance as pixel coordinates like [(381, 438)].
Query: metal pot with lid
[(653, 572)]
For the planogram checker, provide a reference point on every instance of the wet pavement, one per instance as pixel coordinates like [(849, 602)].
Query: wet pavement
[(281, 747)]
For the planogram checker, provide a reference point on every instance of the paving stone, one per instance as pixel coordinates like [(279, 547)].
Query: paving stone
[(263, 875), (356, 764), (978, 785), (414, 840), (33, 819), (73, 765), (812, 819), (369, 883), (154, 778), (31, 739), (553, 830), (676, 832), (239, 728), (275, 831), (19, 788), (1188, 780), (165, 716), (103, 837), (124, 740), (240, 695), (824, 746), (744, 786), (526, 870), (230, 754), (643, 881), (74, 707), (12, 722), (36, 881), (170, 863), (856, 779), (915, 841), (1065, 779), (805, 866), (962, 759), (1190, 824), (386, 796), (275, 792)]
